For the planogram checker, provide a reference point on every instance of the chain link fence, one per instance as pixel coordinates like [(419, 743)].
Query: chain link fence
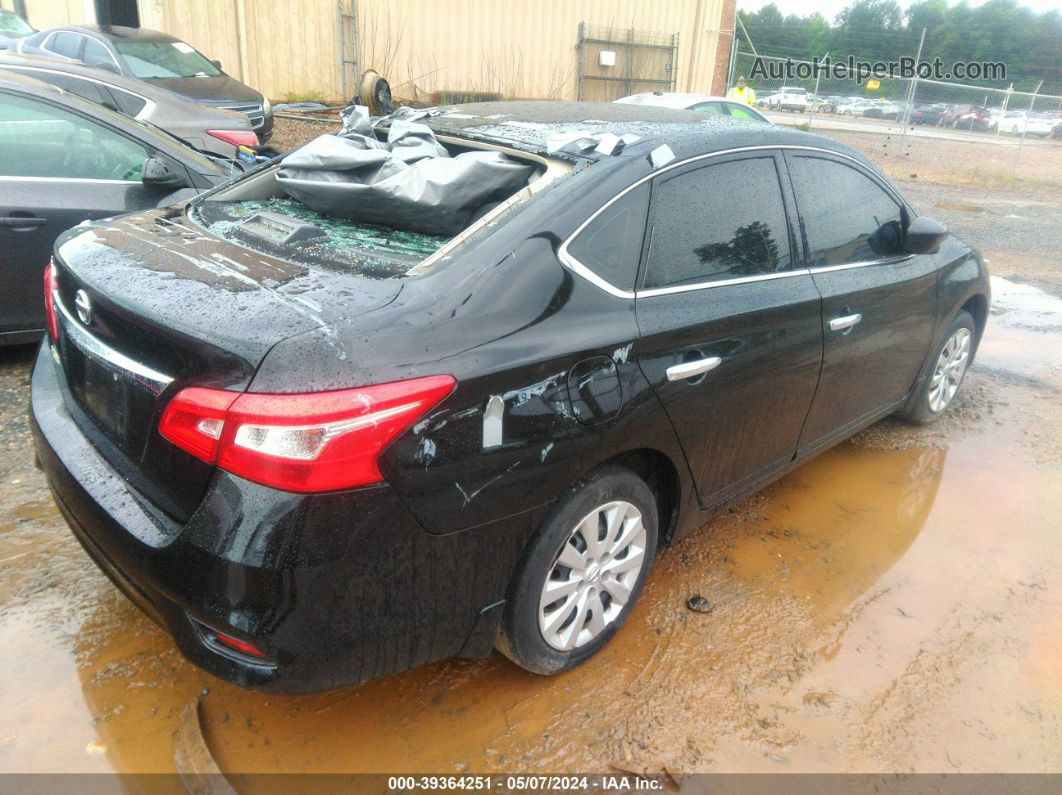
[(909, 111)]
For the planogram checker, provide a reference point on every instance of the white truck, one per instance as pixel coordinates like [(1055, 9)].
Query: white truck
[(789, 98)]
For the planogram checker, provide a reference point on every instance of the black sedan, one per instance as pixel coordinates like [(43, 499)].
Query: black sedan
[(319, 449), (64, 160), (159, 59)]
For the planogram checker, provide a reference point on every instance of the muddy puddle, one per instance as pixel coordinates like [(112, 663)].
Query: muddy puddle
[(894, 605)]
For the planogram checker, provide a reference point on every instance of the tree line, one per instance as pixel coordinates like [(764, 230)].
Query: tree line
[(1029, 43)]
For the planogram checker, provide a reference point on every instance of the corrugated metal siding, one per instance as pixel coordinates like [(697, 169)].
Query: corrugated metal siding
[(525, 49), (517, 49)]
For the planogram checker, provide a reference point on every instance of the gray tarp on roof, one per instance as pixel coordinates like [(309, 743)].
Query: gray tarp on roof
[(409, 182)]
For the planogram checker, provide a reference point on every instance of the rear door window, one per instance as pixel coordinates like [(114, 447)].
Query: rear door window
[(710, 108), (742, 112), (611, 244), (848, 217), (40, 140), (75, 85), (96, 54), (718, 222), (66, 44), (128, 103)]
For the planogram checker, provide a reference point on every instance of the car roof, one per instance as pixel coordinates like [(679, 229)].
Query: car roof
[(669, 99), (528, 125), (116, 32), (168, 102), (73, 67)]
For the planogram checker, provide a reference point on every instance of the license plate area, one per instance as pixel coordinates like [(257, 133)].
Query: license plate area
[(117, 393)]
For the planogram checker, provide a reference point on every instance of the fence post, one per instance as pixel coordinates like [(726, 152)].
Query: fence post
[(818, 74), (1024, 129), (911, 94)]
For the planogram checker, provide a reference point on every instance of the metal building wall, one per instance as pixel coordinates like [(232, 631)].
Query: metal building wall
[(517, 48)]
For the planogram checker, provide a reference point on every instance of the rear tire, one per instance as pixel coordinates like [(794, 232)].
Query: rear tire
[(581, 574), (944, 373)]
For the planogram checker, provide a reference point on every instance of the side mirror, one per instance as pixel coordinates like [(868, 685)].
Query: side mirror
[(216, 63), (924, 236), (156, 173), (107, 66)]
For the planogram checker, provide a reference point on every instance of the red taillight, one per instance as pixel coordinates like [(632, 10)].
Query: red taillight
[(50, 287), (236, 137), (195, 418), (320, 441), (239, 645)]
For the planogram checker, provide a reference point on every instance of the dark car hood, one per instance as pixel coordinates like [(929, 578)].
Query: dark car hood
[(208, 89), (165, 269)]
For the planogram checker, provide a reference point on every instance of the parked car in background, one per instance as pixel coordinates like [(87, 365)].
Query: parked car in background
[(701, 103), (967, 117), (826, 104), (208, 129), (928, 113), (13, 28), (1018, 122), (64, 160), (789, 98), (159, 59), (763, 100), (883, 110), (854, 107), (315, 463)]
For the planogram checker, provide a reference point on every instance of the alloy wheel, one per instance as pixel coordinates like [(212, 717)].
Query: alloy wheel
[(951, 366), (593, 575)]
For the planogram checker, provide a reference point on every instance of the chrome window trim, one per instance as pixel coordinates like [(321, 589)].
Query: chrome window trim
[(862, 264), (148, 377), (580, 269), (653, 292)]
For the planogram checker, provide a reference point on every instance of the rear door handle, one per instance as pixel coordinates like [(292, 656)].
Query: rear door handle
[(680, 372), (25, 221), (844, 322)]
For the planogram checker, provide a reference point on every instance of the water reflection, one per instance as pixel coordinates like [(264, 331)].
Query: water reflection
[(844, 520)]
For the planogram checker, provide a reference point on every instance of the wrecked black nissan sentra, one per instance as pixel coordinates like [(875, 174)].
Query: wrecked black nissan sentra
[(448, 382)]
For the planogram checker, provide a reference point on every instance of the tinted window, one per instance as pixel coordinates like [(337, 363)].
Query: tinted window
[(13, 25), (743, 112), (68, 44), (96, 54), (41, 140), (847, 216), (611, 244), (722, 221), (129, 104), (83, 88), (709, 108)]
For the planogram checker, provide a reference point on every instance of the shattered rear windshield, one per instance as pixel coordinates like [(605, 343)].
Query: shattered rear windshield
[(278, 227)]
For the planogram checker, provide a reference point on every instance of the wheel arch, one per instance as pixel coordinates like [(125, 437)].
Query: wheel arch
[(977, 306), (662, 476)]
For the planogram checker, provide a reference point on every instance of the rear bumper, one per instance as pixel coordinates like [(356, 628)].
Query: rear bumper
[(335, 588)]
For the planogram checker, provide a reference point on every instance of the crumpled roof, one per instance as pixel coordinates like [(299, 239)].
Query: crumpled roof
[(529, 125), (409, 181)]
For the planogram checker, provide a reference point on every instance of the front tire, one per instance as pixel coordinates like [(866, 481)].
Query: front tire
[(945, 374), (581, 574)]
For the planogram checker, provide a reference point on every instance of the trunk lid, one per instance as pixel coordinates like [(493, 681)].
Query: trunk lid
[(152, 302)]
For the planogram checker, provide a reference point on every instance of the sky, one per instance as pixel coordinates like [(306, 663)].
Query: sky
[(830, 8)]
